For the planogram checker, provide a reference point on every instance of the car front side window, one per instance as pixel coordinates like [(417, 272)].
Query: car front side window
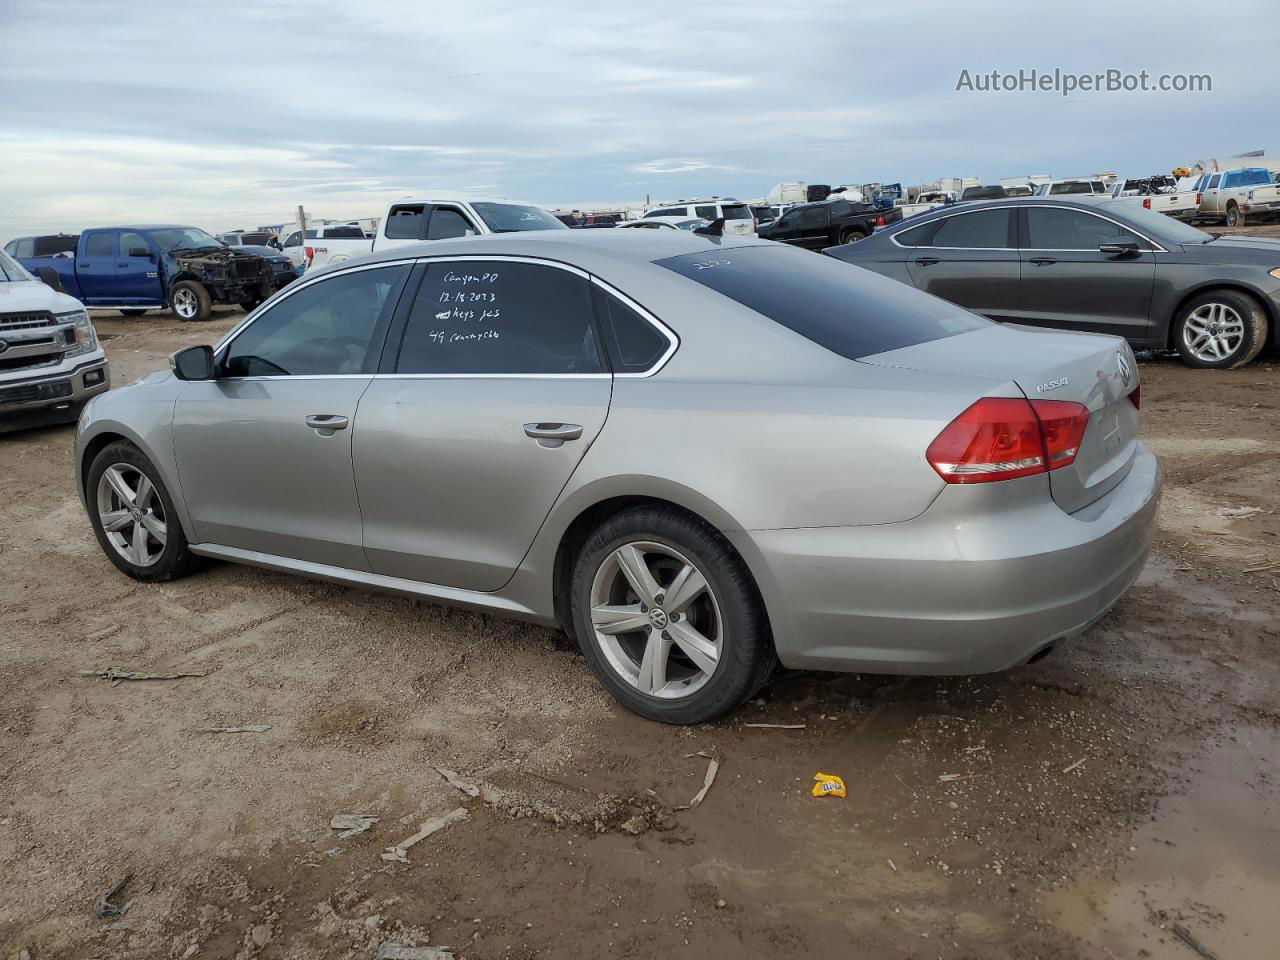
[(447, 224), (500, 317), (1055, 228), (326, 328)]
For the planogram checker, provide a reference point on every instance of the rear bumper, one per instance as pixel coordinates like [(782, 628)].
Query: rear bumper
[(52, 397), (982, 581)]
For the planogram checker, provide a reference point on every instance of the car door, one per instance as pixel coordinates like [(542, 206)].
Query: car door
[(96, 266), (1068, 282), (968, 258), (137, 272), (1211, 200), (491, 393), (264, 451)]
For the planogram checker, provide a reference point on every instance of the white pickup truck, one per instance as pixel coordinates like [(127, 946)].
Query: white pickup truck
[(414, 219), (1234, 196), (925, 200), (53, 362), (323, 244), (1160, 194)]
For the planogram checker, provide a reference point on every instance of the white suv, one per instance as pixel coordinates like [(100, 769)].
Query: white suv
[(50, 360), (737, 216)]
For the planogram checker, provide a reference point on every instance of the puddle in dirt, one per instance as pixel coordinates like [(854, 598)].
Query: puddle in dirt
[(1207, 863)]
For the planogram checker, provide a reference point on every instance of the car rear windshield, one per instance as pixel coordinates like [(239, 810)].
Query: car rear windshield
[(1253, 177), (982, 193), (52, 246), (343, 232), (513, 218), (735, 211), (848, 310)]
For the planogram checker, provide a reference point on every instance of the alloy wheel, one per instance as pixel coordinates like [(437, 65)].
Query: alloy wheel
[(656, 620), (132, 514), (1213, 332), (185, 304)]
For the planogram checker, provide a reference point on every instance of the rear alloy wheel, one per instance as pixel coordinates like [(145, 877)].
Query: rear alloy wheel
[(852, 236), (669, 618), (1234, 217), (1222, 329), (133, 516)]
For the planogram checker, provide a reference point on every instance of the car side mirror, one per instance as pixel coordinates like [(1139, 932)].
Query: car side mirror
[(50, 278), (193, 363), (140, 252), (1122, 248)]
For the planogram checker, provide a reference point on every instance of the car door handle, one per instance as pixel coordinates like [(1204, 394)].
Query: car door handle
[(926, 261), (1042, 261), (326, 423), (553, 431)]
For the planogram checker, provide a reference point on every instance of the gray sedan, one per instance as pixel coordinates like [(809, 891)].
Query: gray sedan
[(1099, 264), (700, 455)]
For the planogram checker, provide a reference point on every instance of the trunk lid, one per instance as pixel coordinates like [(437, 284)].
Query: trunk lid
[(1097, 371)]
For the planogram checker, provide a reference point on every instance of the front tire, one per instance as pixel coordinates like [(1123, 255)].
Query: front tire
[(668, 617), (1220, 330), (133, 516), (190, 301)]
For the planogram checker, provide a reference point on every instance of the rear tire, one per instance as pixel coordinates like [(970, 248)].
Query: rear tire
[(852, 236), (702, 600), (133, 312), (135, 497), (190, 301), (1220, 330), (1235, 216)]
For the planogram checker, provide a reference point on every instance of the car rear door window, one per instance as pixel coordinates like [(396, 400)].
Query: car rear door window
[(24, 248), (814, 217), (330, 327), (850, 312), (494, 317), (404, 222), (447, 224), (980, 230), (634, 344), (100, 244), (1057, 228)]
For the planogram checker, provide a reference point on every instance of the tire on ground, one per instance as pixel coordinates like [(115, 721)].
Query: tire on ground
[(1251, 344), (747, 655), (189, 300), (176, 560)]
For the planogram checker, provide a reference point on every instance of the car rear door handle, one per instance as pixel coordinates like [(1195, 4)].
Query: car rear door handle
[(926, 261), (326, 423), (1042, 261), (552, 435)]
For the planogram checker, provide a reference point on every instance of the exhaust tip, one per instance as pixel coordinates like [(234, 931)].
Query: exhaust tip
[(1040, 654)]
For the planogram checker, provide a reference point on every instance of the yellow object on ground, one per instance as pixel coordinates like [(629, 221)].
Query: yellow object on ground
[(828, 785)]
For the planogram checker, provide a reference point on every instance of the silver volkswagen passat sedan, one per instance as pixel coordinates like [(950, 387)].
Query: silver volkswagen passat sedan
[(701, 455)]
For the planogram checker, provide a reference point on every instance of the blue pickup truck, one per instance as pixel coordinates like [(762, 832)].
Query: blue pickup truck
[(136, 269)]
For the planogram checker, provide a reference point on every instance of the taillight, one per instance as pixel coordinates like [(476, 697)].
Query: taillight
[(880, 220), (310, 253), (1136, 397), (1002, 438), (1146, 202), (1197, 199)]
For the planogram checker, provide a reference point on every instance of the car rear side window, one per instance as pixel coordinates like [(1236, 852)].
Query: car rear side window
[(326, 328), (916, 236), (100, 245), (706, 211), (980, 230), (404, 222), (1056, 228), (634, 344), (500, 317), (851, 312), (23, 248)]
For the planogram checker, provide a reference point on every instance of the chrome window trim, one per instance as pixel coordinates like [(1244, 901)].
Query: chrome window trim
[(1157, 247), (673, 340)]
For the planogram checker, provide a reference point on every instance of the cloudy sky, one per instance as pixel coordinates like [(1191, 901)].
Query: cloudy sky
[(230, 114)]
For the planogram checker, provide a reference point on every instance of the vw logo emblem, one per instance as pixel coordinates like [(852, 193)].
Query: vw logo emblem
[(1123, 363), (4, 345), (658, 618)]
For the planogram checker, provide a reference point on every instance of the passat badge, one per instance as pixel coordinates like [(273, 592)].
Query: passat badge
[(1053, 385), (1123, 363)]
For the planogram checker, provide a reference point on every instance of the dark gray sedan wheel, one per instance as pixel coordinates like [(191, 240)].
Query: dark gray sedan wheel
[(1221, 329), (669, 618)]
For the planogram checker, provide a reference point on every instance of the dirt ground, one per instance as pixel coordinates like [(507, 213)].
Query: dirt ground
[(1119, 799)]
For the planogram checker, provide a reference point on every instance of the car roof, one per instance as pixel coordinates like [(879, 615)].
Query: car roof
[(587, 249)]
